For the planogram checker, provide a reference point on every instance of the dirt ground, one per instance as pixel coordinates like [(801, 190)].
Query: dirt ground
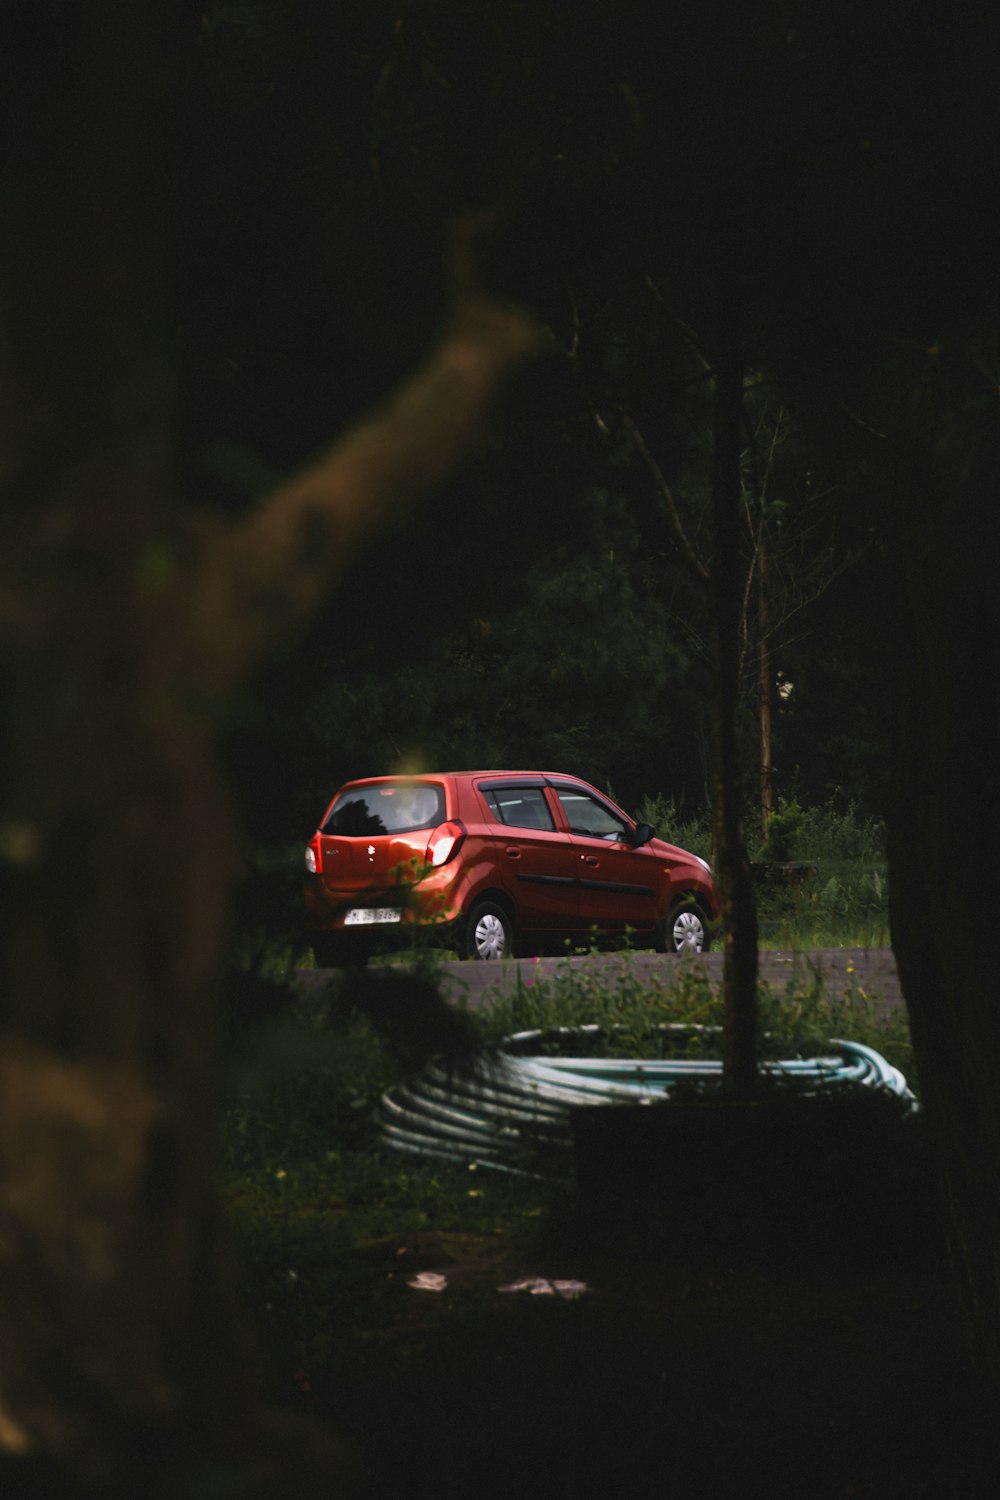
[(690, 1384), (702, 1344)]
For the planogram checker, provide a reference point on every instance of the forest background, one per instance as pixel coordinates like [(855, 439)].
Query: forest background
[(550, 607), (231, 230)]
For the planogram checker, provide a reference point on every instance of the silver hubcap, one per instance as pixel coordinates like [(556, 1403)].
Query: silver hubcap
[(688, 931), (489, 938)]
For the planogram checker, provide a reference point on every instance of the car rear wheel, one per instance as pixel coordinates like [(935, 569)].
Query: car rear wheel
[(687, 929), (489, 932)]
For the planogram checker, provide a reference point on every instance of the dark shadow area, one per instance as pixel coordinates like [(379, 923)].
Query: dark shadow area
[(683, 1377), (768, 1311)]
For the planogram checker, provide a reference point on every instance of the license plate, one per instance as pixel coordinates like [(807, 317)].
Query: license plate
[(366, 916)]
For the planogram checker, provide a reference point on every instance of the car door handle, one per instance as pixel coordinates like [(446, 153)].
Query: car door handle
[(590, 859), (513, 851)]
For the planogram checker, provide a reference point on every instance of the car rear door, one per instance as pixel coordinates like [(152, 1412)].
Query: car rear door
[(534, 858)]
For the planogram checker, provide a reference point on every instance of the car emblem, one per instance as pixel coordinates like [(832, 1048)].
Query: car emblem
[(371, 851)]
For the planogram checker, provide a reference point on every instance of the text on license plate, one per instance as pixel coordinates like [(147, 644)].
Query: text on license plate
[(365, 916)]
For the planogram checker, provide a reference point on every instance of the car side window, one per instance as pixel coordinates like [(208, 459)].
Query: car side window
[(586, 816), (520, 807)]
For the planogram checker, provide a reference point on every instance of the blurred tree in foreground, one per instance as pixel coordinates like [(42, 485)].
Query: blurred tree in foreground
[(129, 624)]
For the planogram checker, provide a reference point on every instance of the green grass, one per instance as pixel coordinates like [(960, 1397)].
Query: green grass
[(328, 1225), (834, 903), (842, 901), (307, 1176), (713, 1362), (797, 1019), (305, 1084), (715, 1357)]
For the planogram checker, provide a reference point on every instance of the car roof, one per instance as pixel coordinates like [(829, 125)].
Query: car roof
[(455, 775)]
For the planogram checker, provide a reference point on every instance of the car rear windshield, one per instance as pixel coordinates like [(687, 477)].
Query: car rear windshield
[(391, 807)]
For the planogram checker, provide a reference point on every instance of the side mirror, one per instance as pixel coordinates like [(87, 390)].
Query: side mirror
[(642, 835)]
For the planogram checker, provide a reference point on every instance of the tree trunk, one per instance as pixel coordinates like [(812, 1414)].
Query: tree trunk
[(764, 695), (123, 1348), (944, 828), (736, 892)]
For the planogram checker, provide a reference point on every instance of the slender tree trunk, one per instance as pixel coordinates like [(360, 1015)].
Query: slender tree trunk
[(738, 911), (764, 694)]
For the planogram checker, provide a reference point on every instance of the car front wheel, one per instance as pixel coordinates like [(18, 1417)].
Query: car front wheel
[(687, 929), (489, 932)]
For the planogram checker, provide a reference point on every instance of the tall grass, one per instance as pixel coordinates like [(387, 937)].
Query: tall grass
[(820, 878), (679, 1009), (308, 1181), (843, 897)]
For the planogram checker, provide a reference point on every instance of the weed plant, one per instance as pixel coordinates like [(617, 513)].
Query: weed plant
[(821, 877), (627, 1010), (632, 1013), (841, 895)]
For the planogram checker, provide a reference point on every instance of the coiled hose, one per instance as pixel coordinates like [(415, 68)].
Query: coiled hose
[(504, 1108)]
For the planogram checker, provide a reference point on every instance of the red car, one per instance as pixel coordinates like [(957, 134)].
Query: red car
[(499, 861)]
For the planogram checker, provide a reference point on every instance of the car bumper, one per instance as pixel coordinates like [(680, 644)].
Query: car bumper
[(436, 901)]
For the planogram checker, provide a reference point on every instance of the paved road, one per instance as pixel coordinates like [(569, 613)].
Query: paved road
[(844, 970)]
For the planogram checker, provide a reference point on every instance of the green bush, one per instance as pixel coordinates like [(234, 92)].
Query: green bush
[(691, 833), (829, 832), (783, 830), (822, 878)]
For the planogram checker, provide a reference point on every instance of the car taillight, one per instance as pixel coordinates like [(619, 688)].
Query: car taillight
[(445, 842), (314, 858)]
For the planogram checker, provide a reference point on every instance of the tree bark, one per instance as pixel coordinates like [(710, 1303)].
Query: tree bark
[(944, 826), (736, 891), (124, 638), (764, 693)]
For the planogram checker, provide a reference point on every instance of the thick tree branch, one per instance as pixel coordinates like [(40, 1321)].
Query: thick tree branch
[(260, 580)]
